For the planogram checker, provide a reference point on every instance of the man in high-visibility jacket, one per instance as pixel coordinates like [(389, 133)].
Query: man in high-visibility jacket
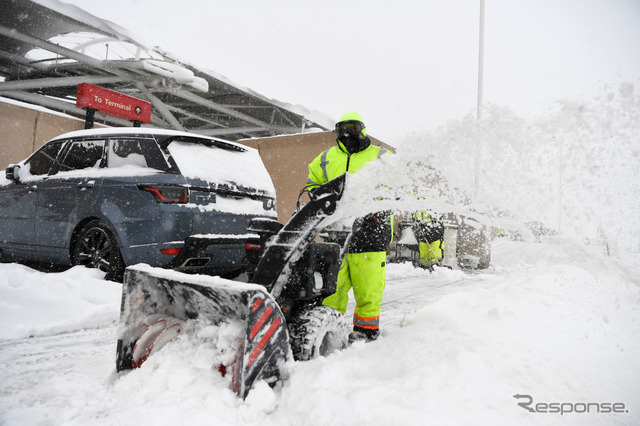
[(363, 268), (429, 232)]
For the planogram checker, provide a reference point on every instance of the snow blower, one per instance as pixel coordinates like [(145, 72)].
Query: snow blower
[(281, 309)]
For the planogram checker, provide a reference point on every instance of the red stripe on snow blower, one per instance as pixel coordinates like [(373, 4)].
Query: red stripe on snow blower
[(256, 304), (256, 351), (258, 325)]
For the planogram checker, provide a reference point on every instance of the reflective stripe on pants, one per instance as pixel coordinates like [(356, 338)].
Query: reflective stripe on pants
[(364, 273)]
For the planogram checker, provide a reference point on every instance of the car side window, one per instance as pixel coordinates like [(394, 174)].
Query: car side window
[(136, 152), (83, 155), (41, 161)]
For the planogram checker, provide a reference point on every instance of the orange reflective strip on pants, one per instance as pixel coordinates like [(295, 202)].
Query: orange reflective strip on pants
[(371, 323)]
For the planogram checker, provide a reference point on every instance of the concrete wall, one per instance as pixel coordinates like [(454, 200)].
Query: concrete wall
[(23, 130)]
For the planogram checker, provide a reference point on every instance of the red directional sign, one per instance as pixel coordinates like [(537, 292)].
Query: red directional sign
[(113, 103)]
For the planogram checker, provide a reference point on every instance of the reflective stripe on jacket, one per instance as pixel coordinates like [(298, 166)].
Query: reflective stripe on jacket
[(334, 162)]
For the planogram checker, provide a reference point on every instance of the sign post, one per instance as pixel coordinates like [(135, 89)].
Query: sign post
[(95, 98)]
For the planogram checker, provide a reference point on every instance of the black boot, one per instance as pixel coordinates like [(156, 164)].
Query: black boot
[(365, 334)]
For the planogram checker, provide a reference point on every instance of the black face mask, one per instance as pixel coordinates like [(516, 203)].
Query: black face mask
[(353, 143)]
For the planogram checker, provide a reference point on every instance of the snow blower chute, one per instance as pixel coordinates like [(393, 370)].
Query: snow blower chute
[(281, 306)]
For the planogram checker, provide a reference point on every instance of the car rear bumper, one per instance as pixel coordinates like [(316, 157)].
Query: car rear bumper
[(198, 253)]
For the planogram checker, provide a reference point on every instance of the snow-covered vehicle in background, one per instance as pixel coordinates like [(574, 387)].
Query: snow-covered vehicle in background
[(109, 198), (467, 242)]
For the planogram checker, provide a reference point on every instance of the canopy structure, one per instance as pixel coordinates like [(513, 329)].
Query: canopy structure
[(48, 47)]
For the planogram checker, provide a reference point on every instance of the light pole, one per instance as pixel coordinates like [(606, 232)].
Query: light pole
[(480, 60), (479, 105)]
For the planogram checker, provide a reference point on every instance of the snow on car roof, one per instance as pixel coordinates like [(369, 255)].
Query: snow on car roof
[(138, 131), (218, 167)]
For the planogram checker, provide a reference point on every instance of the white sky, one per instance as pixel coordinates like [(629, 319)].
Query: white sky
[(407, 65)]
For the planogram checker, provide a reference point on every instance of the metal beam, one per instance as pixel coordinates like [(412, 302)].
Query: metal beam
[(284, 116), (194, 116), (22, 60), (68, 53), (47, 82), (43, 44), (209, 104), (160, 107)]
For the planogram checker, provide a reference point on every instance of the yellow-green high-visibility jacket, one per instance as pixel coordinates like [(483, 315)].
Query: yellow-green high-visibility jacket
[(430, 234), (334, 162), (373, 232)]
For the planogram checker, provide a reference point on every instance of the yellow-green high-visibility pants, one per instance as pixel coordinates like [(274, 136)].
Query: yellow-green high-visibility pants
[(365, 273)]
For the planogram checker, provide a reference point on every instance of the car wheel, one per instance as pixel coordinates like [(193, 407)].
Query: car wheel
[(96, 247)]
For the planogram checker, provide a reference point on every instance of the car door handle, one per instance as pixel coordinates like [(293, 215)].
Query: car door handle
[(87, 184)]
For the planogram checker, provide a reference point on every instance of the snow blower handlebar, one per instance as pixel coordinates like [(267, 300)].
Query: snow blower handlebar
[(280, 255)]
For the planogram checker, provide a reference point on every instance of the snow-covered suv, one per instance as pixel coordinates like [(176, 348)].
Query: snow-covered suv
[(111, 198)]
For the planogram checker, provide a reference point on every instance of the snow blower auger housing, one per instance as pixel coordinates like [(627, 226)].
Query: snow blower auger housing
[(281, 306)]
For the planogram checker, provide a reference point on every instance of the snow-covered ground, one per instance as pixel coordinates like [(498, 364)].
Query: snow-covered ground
[(554, 320)]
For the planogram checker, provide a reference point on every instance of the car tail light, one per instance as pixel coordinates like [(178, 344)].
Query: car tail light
[(167, 193), (251, 246), (170, 251)]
